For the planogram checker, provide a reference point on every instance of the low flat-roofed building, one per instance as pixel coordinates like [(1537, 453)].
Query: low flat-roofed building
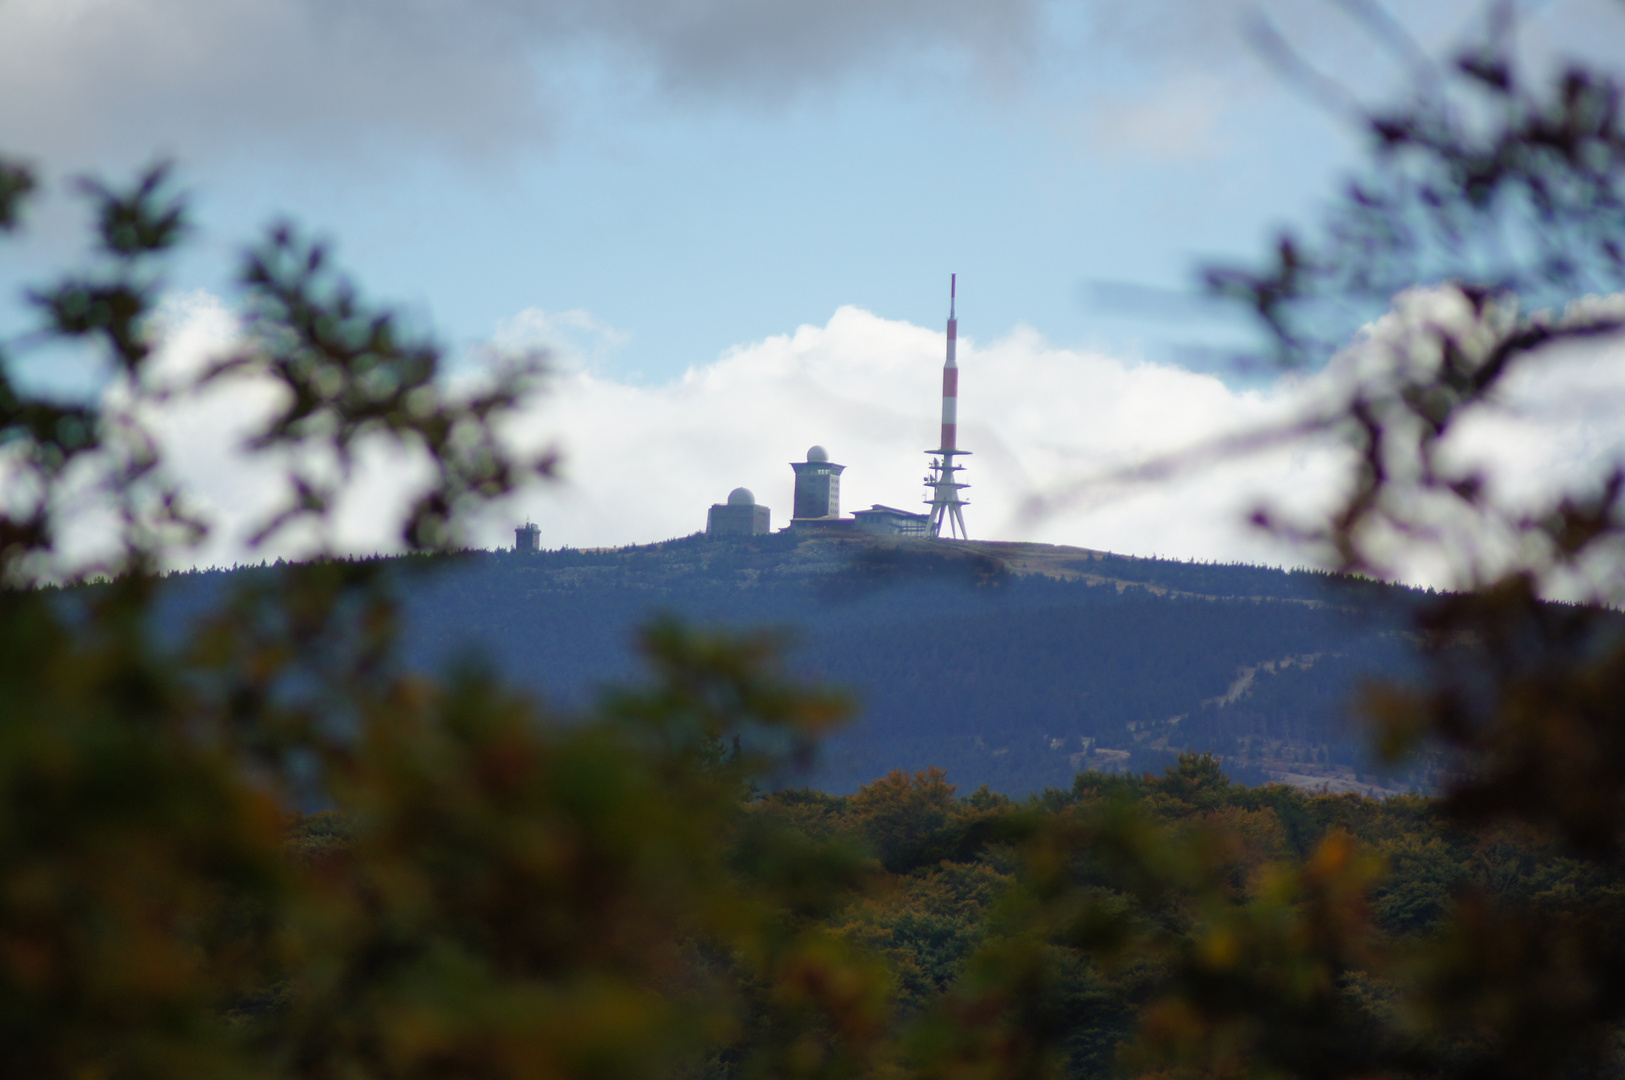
[(890, 521)]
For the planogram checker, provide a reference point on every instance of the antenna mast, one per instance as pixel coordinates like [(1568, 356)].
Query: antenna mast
[(945, 502)]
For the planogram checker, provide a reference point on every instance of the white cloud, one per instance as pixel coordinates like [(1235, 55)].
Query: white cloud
[(643, 463), (576, 339), (202, 436), (1548, 430), (1177, 120)]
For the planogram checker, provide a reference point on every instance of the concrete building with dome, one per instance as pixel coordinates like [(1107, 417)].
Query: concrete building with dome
[(816, 508), (739, 516)]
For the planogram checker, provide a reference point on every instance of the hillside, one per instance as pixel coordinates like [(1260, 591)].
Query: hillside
[(1012, 665)]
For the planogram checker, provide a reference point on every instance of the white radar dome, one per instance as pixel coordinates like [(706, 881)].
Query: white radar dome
[(817, 453), (741, 497)]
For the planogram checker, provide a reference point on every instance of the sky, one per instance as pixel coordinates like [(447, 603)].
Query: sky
[(734, 220)]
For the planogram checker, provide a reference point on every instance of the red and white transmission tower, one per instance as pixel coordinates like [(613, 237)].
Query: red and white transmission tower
[(945, 502)]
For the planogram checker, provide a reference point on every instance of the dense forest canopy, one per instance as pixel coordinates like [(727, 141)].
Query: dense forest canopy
[(951, 883)]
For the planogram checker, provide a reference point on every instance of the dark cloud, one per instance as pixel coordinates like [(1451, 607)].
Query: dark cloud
[(81, 78), (86, 82), (779, 47)]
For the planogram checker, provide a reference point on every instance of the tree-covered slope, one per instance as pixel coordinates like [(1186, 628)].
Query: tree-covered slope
[(1013, 665)]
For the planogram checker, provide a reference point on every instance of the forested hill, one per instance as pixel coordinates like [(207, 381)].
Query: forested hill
[(1013, 665)]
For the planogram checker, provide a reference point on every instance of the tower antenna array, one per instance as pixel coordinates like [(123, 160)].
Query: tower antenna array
[(941, 479)]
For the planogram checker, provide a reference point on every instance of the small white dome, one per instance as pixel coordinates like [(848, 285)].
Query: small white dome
[(741, 497), (817, 453)]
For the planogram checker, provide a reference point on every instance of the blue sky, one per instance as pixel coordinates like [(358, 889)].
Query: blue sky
[(698, 202), (655, 185)]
